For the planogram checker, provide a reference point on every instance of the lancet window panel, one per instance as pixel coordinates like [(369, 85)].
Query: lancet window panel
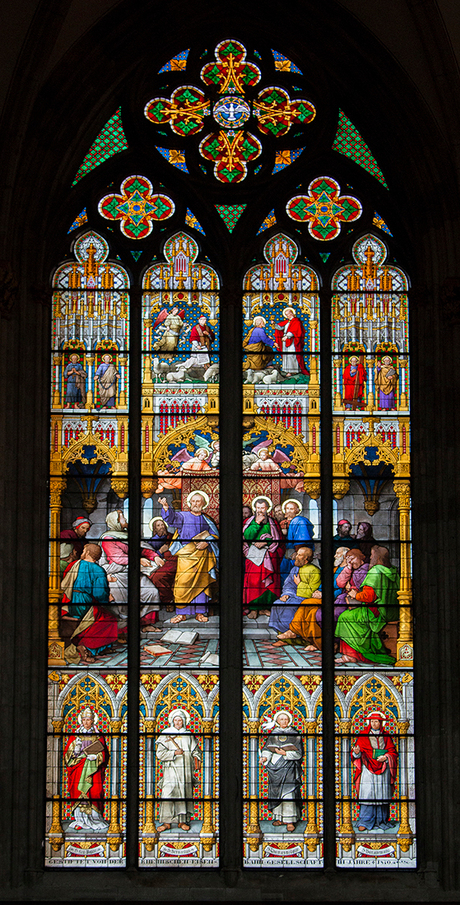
[(179, 779), (282, 730), (372, 598), (86, 769), (89, 559), (179, 789)]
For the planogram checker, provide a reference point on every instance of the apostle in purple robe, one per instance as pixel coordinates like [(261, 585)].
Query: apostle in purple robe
[(195, 544)]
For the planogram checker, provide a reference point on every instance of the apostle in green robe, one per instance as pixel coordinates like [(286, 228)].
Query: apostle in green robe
[(369, 610)]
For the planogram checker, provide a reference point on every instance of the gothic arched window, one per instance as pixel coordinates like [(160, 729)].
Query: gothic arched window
[(230, 485)]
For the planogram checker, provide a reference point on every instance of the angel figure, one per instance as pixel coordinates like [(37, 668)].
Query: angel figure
[(197, 462), (171, 326), (187, 463), (266, 462)]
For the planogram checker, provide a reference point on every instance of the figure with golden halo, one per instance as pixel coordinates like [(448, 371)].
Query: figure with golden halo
[(179, 753), (299, 533), (290, 339), (86, 757), (263, 549), (196, 545), (281, 755)]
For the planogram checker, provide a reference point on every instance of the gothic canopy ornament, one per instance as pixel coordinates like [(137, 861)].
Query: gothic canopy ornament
[(230, 146), (324, 208)]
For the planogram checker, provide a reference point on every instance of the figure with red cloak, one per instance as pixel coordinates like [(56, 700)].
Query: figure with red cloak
[(85, 598), (263, 550), (289, 340), (86, 757), (354, 378), (375, 761)]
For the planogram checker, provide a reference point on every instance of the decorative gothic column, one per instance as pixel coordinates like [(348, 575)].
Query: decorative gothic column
[(311, 833), (55, 644), (56, 833), (149, 832), (405, 836), (404, 650), (255, 835), (347, 834), (114, 837), (207, 834), (89, 390)]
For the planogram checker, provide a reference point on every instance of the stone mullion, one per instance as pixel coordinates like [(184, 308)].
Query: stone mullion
[(327, 583)]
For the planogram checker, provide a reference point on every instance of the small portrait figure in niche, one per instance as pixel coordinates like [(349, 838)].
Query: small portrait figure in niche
[(107, 376), (354, 380), (375, 761), (86, 757), (386, 379), (180, 755), (74, 373), (281, 756)]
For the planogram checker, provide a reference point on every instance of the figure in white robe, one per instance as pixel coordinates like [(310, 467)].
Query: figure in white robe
[(178, 751), (282, 755)]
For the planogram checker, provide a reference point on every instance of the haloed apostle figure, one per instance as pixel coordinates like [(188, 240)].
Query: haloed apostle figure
[(196, 546), (263, 549), (106, 376), (299, 534), (354, 379), (179, 754), (74, 373), (259, 347), (375, 761), (290, 338), (386, 380), (86, 757), (281, 755)]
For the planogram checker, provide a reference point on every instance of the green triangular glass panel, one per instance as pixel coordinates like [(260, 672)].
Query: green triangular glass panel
[(230, 214), (110, 141), (136, 254), (324, 255), (350, 143)]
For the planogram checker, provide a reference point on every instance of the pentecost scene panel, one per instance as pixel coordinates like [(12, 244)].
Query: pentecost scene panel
[(281, 536), (375, 769), (86, 769), (179, 769), (282, 769), (89, 556), (180, 558)]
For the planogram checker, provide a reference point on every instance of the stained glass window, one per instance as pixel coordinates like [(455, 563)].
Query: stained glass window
[(320, 391)]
